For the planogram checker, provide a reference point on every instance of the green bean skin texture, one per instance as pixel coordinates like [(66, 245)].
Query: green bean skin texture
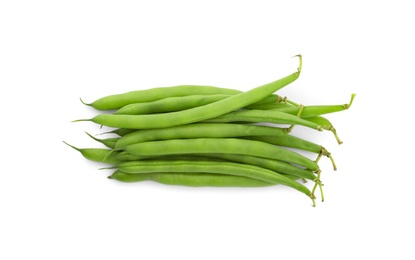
[(172, 104), (262, 116), (194, 114), (199, 130), (227, 168), (220, 145), (98, 154), (169, 104), (274, 165), (269, 106), (118, 101), (288, 141), (192, 179)]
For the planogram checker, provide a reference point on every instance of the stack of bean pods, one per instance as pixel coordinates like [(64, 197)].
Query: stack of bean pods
[(209, 136)]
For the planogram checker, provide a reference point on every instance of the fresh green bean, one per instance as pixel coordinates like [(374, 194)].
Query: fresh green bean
[(274, 165), (195, 114), (220, 145), (169, 104), (118, 101), (172, 104), (205, 130), (227, 168), (193, 179)]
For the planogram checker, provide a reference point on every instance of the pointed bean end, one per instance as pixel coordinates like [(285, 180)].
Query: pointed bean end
[(93, 137), (81, 120), (76, 148), (87, 104)]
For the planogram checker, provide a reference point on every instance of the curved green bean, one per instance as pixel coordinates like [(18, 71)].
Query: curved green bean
[(220, 145), (192, 179), (204, 130), (227, 168), (172, 104), (274, 165), (169, 104), (196, 114), (118, 101)]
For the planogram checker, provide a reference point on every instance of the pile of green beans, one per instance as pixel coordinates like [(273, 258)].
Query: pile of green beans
[(205, 136)]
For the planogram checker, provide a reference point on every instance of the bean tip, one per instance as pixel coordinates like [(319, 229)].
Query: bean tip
[(81, 120), (301, 62), (93, 137), (72, 146), (87, 104)]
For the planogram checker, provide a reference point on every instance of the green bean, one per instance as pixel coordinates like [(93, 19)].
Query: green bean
[(193, 179), (227, 168), (118, 101), (169, 104), (219, 145), (98, 154), (274, 165), (204, 130), (195, 114), (172, 104), (263, 116)]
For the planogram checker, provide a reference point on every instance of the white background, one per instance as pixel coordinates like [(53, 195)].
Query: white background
[(56, 205)]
